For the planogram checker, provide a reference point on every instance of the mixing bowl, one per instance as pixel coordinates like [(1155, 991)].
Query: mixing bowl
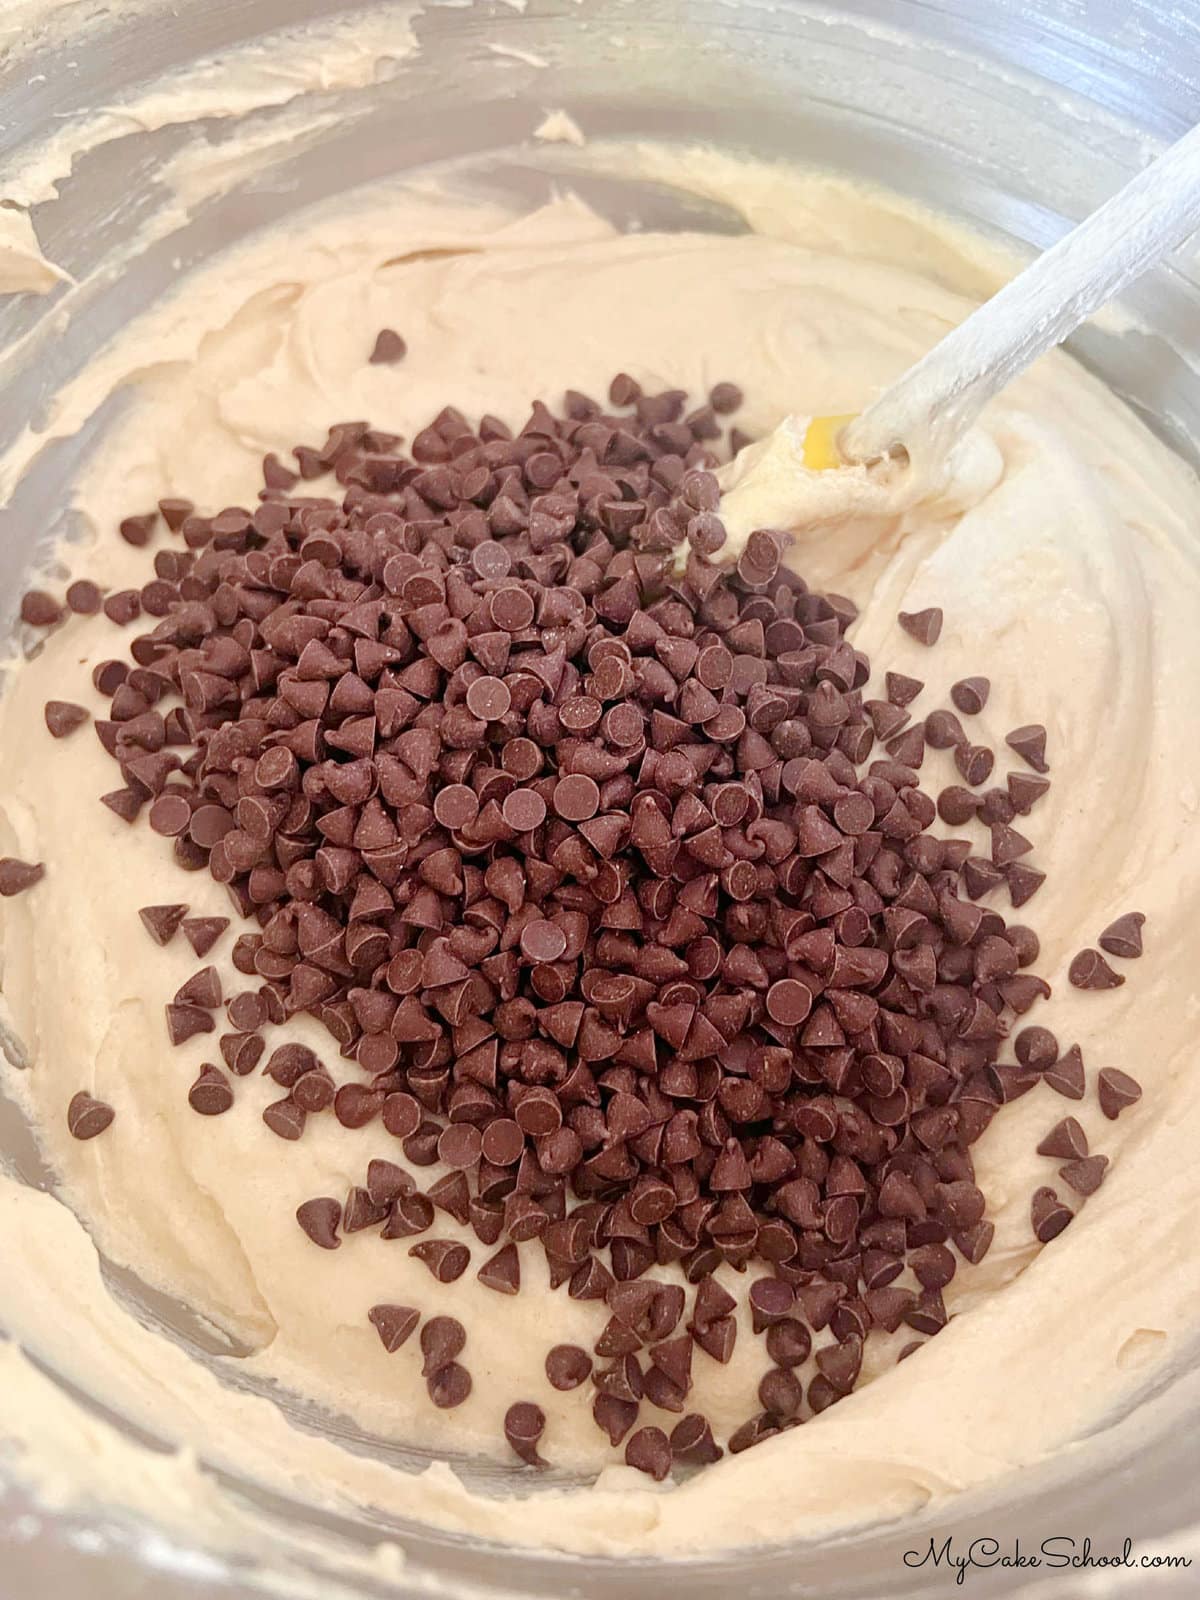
[(1013, 117)]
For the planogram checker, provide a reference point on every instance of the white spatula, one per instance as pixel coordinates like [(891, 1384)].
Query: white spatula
[(928, 409)]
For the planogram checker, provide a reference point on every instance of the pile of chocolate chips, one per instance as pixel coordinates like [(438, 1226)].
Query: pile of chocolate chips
[(587, 857)]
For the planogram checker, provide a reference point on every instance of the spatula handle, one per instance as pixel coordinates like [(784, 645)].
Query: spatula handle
[(935, 401)]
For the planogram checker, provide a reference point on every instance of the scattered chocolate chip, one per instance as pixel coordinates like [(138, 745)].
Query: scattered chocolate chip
[(789, 1343), (1066, 1140), (320, 1220), (1036, 1048), (445, 1259), (924, 626), (780, 1393), (202, 989), (943, 731), (242, 1053), (1008, 845), (449, 1386), (754, 1431), (389, 347), (411, 1214), (1048, 1215), (503, 1271), (970, 695), (624, 390), (957, 805), (83, 597), (63, 717), (770, 1302), (393, 1324), (123, 607), (1066, 1076), (692, 1441), (39, 609), (1025, 789), (162, 922), (460, 1145), (1085, 1175), (1117, 1090), (285, 1118), (1124, 936), (902, 690), (1089, 970), (87, 1116), (203, 932), (137, 530), (211, 1094), (725, 397), (443, 1340), (567, 1366), (1030, 744), (185, 1021), (17, 876), (649, 1450), (974, 762), (524, 1424), (718, 1338), (613, 1416)]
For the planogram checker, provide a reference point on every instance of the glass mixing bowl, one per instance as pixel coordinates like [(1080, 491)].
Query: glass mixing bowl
[(1016, 116)]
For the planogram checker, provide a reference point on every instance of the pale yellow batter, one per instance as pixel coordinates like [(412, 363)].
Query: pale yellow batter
[(1064, 557)]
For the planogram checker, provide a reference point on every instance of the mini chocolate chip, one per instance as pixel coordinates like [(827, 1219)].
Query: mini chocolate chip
[(445, 1259), (449, 1386), (443, 1340), (1036, 1047), (1066, 1076), (924, 626), (320, 1219), (63, 717), (524, 1424), (389, 347), (394, 1324), (503, 1271), (692, 1441), (185, 1021), (613, 1416), (754, 1431), (957, 805), (211, 1094), (1066, 1140), (1089, 970), (649, 1450), (1085, 1175), (1124, 936), (780, 1393), (17, 876), (1030, 744), (87, 1116), (1025, 789), (203, 932), (789, 1343), (770, 1302), (624, 390), (970, 695), (943, 731), (39, 609), (974, 762), (567, 1366), (1048, 1215), (285, 1118), (162, 922), (1116, 1090)]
